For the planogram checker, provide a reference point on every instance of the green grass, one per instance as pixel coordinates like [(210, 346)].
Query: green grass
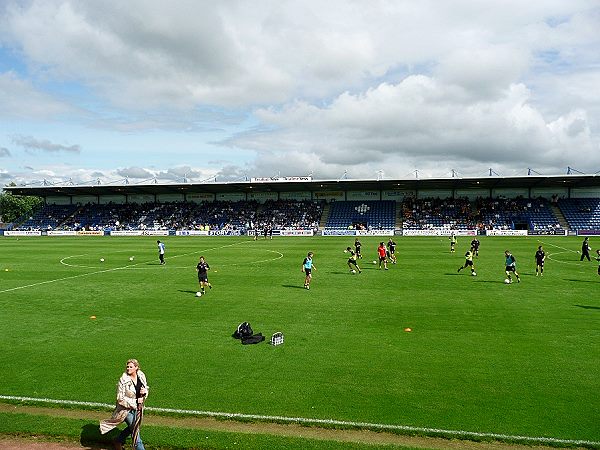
[(520, 359)]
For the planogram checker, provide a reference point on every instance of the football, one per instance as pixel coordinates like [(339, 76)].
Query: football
[(353, 271), (374, 262), (473, 274), (198, 294), (131, 258), (101, 259), (507, 281)]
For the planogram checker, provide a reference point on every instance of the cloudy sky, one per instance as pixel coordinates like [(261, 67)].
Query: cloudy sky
[(144, 89)]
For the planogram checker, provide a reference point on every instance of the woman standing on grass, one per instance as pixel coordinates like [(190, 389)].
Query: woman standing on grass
[(132, 389), (307, 268)]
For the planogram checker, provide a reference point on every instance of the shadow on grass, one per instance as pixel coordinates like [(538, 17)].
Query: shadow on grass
[(588, 307), (581, 281), (187, 291), (92, 439), (292, 286)]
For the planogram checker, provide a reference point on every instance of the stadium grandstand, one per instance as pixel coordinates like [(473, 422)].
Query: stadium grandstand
[(299, 205)]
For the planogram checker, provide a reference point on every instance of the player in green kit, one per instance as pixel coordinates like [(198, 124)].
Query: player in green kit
[(452, 243), (352, 261), (468, 262)]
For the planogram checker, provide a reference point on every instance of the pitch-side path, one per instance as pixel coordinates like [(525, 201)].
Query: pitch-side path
[(296, 427)]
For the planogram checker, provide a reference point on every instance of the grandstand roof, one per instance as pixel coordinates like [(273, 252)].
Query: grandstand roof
[(491, 182)]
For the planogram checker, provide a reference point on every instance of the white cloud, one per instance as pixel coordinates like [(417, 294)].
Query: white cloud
[(148, 53), (20, 99), (419, 122), (135, 172), (482, 72), (181, 173), (32, 144), (55, 174), (334, 86)]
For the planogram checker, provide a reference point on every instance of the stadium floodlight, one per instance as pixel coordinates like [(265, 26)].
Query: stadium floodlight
[(119, 181), (68, 182), (570, 171), (35, 183), (212, 177), (144, 181)]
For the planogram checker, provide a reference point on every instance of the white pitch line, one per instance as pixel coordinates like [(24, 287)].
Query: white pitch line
[(133, 266), (309, 421), (112, 269), (566, 250), (570, 263), (558, 246), (60, 279)]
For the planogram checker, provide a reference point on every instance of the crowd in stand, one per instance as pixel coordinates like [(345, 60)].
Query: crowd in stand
[(503, 213), (420, 214), (483, 213), (287, 214), (218, 215)]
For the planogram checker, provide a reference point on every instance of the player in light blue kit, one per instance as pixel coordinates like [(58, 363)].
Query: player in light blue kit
[(161, 252), (307, 268), (511, 267)]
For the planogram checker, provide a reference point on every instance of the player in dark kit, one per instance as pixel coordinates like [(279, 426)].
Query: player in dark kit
[(202, 268), (391, 251), (585, 249), (511, 266), (540, 257), (357, 246), (475, 246), (468, 262), (352, 260), (598, 259)]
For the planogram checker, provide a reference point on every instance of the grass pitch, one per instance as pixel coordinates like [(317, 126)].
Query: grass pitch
[(482, 356)]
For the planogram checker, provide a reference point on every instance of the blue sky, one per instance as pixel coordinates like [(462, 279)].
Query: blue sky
[(150, 89)]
